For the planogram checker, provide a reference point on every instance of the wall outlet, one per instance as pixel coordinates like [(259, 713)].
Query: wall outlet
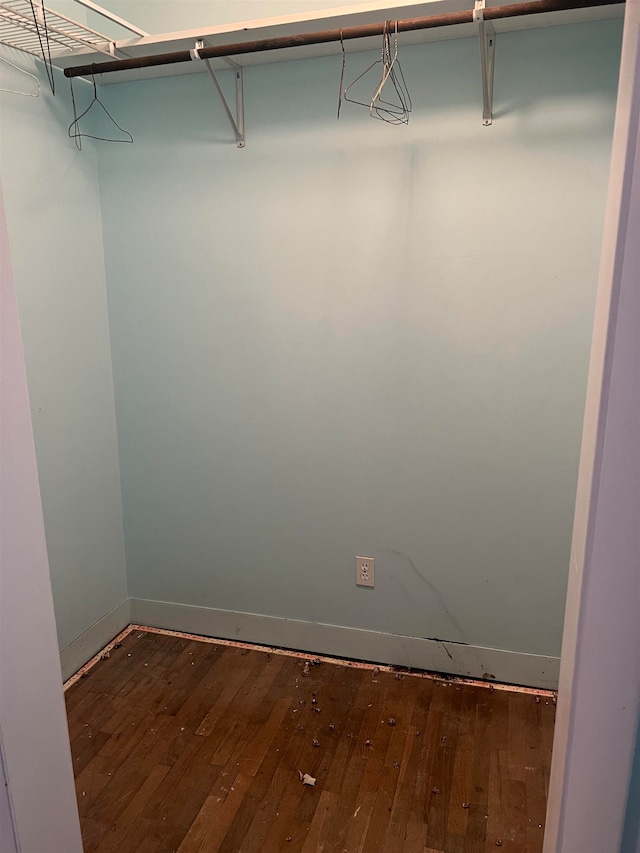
[(365, 571)]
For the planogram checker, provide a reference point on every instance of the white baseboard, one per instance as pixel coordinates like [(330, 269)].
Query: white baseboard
[(77, 653), (453, 658)]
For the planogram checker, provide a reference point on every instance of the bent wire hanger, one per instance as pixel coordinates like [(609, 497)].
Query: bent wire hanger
[(35, 94), (74, 131), (391, 101)]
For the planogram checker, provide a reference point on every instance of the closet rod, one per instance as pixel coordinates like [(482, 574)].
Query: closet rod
[(532, 7)]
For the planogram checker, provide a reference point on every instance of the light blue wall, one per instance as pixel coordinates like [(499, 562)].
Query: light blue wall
[(350, 338), (631, 835), (55, 231), (7, 837)]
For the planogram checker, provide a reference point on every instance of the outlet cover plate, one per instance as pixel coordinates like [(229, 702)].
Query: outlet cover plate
[(365, 571)]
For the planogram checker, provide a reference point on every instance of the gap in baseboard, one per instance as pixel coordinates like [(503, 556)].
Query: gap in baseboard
[(356, 664)]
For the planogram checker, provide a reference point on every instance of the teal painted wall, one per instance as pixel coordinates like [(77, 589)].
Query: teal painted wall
[(351, 339), (631, 834), (55, 230)]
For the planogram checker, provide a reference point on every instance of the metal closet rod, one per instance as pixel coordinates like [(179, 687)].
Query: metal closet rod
[(533, 7)]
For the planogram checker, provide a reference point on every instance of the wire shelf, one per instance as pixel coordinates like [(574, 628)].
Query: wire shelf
[(19, 30)]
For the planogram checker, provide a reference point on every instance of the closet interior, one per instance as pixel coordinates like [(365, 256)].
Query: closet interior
[(306, 294)]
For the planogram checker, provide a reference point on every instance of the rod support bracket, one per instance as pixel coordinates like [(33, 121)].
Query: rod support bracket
[(478, 12), (487, 36), (237, 123)]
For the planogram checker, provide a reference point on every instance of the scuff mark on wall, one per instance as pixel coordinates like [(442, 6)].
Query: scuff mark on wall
[(436, 592)]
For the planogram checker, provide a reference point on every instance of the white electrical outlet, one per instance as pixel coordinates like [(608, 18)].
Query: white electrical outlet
[(365, 571)]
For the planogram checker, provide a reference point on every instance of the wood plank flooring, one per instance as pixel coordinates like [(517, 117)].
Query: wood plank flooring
[(181, 745)]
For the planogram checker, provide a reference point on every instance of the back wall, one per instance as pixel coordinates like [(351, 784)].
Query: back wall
[(350, 338)]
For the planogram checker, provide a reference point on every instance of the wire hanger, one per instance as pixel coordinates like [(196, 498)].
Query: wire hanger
[(35, 94), (40, 20), (74, 131), (344, 64), (392, 81)]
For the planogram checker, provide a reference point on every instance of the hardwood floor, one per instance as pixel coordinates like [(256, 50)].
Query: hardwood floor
[(181, 745)]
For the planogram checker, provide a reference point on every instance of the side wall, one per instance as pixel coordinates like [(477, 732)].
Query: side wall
[(55, 232), (631, 832), (35, 757), (597, 718), (7, 834), (350, 338)]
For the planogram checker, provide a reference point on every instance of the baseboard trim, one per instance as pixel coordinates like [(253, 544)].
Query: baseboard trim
[(77, 653), (509, 667)]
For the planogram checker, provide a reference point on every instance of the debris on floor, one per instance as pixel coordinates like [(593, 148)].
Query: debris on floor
[(306, 669), (369, 718)]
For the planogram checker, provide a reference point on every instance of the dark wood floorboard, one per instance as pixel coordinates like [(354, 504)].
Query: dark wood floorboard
[(181, 746)]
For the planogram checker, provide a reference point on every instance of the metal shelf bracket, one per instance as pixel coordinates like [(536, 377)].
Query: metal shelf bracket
[(237, 123), (487, 35)]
